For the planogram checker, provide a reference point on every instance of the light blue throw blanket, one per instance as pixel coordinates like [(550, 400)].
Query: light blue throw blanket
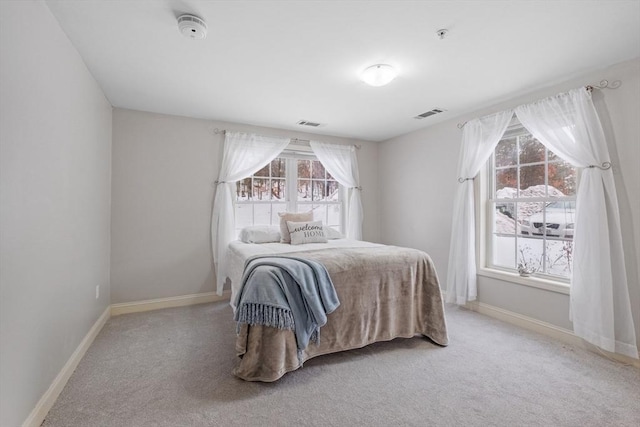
[(286, 292)]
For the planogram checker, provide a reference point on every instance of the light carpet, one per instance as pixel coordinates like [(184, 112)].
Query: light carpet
[(173, 367)]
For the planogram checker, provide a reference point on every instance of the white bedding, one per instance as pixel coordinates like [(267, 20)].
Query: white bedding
[(239, 252)]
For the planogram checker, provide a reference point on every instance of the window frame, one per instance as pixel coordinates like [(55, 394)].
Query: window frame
[(291, 204), (293, 182), (484, 188)]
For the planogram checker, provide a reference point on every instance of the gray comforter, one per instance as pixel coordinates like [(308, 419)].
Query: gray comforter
[(385, 293)]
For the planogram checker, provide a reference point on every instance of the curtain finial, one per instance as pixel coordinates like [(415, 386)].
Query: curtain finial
[(605, 84)]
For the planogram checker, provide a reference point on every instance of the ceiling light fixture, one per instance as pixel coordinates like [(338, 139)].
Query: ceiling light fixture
[(379, 74)]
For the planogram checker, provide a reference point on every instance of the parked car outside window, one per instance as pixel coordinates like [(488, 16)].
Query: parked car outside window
[(557, 220)]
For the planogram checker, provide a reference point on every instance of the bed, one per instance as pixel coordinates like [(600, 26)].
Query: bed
[(385, 292)]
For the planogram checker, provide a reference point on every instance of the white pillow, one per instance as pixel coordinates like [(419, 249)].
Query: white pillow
[(306, 232), (260, 234), (291, 216), (332, 233)]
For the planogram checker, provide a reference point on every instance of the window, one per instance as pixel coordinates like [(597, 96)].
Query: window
[(532, 195), (261, 196), (318, 191)]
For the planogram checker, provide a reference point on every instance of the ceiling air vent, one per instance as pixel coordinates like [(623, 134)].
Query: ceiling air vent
[(429, 113), (308, 123)]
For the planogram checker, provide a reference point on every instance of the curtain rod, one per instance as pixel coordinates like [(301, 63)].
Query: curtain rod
[(294, 140), (604, 84)]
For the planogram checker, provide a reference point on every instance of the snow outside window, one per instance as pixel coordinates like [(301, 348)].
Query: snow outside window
[(532, 205), (290, 183)]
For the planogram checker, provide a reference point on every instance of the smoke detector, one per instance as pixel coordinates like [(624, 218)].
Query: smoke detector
[(192, 27)]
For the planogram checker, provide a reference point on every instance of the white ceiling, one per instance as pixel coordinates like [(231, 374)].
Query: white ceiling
[(273, 63)]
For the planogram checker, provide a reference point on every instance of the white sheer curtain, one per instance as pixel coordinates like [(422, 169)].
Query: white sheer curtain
[(244, 155), (341, 162), (479, 139), (569, 126)]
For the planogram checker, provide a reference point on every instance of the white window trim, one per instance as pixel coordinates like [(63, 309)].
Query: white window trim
[(481, 187), (531, 281)]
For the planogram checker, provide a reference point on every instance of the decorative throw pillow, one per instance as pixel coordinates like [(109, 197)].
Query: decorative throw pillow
[(291, 216), (332, 233), (306, 232), (260, 234)]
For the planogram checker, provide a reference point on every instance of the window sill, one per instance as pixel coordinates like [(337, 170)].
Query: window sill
[(534, 282)]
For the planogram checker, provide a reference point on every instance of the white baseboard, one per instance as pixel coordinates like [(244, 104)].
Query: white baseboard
[(553, 331), (158, 303), (37, 415)]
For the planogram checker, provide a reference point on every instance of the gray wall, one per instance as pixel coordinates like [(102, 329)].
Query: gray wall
[(55, 169), (163, 171), (418, 180)]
